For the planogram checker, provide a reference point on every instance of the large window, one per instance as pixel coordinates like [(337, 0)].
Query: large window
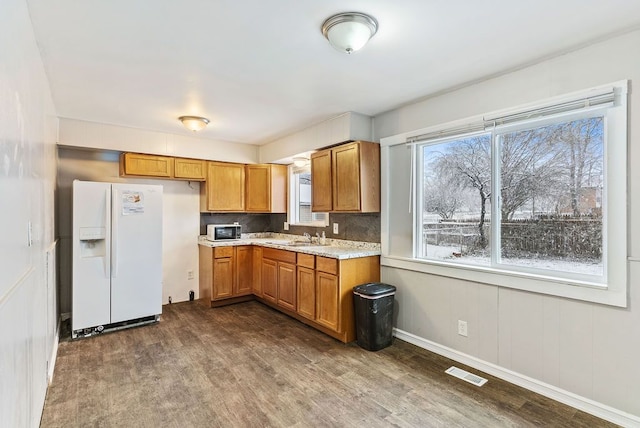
[(532, 198), (527, 197), (299, 212)]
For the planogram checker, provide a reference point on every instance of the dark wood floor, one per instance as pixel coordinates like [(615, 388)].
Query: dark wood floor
[(247, 365)]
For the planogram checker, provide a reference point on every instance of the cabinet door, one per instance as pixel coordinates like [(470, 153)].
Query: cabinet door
[(146, 165), (279, 188), (222, 278), (225, 186), (346, 177), (258, 188), (307, 292), (257, 271), (327, 298), (321, 189), (270, 280), (287, 285), (192, 169), (205, 277), (244, 270)]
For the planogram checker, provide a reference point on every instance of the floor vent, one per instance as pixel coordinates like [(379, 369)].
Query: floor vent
[(466, 376)]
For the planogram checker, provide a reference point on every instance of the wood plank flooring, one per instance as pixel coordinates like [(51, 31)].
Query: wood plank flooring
[(247, 365)]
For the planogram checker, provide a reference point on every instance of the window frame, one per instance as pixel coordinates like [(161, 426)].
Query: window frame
[(612, 292), (293, 201)]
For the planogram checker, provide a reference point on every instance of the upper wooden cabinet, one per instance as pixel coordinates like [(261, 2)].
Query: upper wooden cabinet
[(190, 169), (266, 188), (321, 200), (224, 189), (346, 178), (146, 165), (137, 164)]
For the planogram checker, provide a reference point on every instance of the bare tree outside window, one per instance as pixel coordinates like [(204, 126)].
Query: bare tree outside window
[(550, 180), (457, 187)]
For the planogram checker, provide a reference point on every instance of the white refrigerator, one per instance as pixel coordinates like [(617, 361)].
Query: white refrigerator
[(117, 256)]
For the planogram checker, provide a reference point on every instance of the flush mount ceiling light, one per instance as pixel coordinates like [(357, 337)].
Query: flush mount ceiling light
[(300, 161), (349, 31), (194, 123)]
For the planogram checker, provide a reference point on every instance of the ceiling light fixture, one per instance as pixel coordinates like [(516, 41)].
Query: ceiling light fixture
[(300, 161), (194, 123), (349, 31)]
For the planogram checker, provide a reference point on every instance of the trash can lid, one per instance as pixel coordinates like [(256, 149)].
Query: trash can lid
[(374, 289)]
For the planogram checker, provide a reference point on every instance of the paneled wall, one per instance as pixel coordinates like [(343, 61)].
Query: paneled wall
[(102, 136), (581, 348), (28, 308)]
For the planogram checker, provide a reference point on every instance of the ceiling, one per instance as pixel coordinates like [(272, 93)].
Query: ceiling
[(262, 69)]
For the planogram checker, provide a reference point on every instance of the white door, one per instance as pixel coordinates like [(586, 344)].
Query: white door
[(91, 290), (136, 254)]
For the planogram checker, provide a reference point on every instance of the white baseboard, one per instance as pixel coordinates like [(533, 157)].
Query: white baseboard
[(54, 353), (581, 403)]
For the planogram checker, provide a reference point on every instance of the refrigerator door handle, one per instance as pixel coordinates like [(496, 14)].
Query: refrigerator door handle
[(107, 256), (114, 233)]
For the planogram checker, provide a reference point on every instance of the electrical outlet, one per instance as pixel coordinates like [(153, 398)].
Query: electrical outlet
[(190, 274), (462, 328), (286, 226), (335, 228)]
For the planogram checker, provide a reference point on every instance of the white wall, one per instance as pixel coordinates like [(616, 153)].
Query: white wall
[(344, 127), (586, 349), (27, 180), (181, 220), (102, 136)]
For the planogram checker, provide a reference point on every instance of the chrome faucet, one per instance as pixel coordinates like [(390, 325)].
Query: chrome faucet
[(306, 235)]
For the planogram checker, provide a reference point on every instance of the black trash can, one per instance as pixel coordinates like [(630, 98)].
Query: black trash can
[(373, 304)]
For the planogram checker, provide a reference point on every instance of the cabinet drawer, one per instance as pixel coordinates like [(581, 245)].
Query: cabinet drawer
[(222, 252), (326, 264), (307, 260), (280, 255)]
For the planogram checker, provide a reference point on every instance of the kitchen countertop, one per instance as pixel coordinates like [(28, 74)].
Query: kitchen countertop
[(335, 248)]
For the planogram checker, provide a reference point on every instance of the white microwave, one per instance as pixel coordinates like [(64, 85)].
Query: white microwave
[(223, 232)]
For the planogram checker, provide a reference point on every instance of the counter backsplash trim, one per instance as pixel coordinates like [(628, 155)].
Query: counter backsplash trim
[(330, 242)]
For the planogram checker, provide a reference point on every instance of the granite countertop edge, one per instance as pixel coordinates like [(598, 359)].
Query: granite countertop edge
[(335, 249)]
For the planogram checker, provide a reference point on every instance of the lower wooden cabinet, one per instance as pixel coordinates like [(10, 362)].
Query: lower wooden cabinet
[(316, 290), (225, 273), (243, 284), (307, 292), (223, 281), (335, 280), (270, 280), (287, 286), (279, 277), (328, 300), (257, 271)]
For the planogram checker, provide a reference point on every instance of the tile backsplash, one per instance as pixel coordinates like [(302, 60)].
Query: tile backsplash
[(351, 227)]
